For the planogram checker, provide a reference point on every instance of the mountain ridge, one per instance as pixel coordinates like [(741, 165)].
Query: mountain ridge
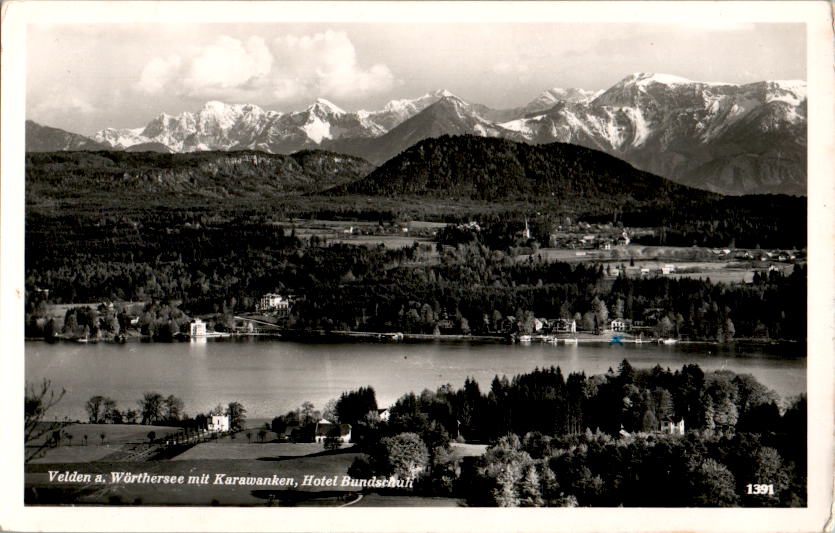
[(725, 137)]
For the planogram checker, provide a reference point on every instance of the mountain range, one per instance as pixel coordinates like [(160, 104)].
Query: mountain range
[(726, 138)]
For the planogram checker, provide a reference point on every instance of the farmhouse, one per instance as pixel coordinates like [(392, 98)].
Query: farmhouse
[(325, 429), (669, 425)]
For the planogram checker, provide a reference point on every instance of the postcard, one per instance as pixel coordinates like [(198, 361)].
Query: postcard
[(456, 266)]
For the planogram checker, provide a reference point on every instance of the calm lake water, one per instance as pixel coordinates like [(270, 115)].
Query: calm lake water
[(271, 377)]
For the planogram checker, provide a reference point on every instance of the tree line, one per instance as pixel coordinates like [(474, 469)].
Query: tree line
[(156, 409)]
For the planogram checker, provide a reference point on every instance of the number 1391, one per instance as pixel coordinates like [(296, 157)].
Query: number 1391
[(759, 489)]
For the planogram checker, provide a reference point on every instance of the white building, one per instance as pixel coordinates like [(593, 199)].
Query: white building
[(668, 269), (219, 423), (668, 425), (274, 302), (197, 328), (620, 324)]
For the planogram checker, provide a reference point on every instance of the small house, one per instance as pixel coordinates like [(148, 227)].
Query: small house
[(670, 426), (325, 429), (197, 328), (219, 423), (668, 269), (621, 325)]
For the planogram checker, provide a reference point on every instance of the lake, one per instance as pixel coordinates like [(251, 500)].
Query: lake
[(270, 377)]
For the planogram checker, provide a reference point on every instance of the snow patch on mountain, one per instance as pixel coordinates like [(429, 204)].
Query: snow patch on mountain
[(525, 126), (317, 129), (640, 124)]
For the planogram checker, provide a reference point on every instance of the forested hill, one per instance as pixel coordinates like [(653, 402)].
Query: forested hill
[(479, 168), (210, 175)]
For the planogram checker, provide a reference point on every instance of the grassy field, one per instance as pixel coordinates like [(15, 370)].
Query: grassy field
[(270, 451), (689, 262), (389, 241), (115, 434), (77, 453)]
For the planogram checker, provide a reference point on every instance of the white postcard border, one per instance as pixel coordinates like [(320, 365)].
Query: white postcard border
[(817, 16)]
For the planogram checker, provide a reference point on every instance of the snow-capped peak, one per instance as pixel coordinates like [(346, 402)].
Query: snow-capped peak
[(666, 79), (216, 107), (327, 106), (442, 93), (643, 79), (550, 97)]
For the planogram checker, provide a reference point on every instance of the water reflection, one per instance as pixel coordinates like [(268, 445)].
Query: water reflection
[(198, 346)]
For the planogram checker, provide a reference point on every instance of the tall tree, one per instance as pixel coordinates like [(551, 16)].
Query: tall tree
[(173, 407), (237, 415), (150, 407), (94, 409), (406, 455)]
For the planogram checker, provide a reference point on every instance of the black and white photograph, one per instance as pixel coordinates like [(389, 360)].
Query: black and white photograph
[(436, 255)]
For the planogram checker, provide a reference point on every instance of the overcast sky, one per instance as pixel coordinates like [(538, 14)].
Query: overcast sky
[(87, 77)]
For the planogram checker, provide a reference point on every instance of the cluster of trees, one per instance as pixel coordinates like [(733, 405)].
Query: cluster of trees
[(596, 469), (595, 440), (157, 409), (755, 221), (300, 421)]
